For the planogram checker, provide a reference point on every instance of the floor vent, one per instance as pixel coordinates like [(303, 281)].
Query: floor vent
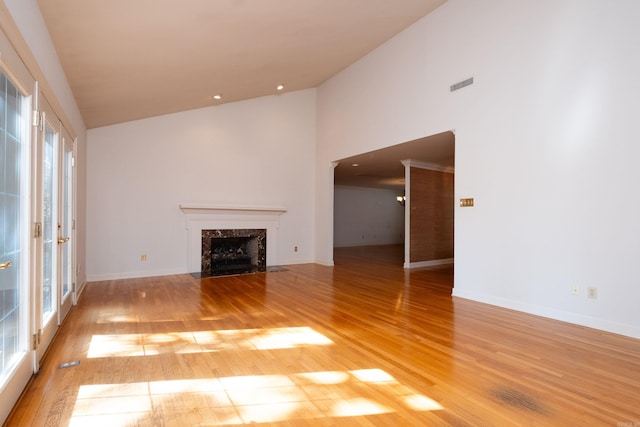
[(69, 364)]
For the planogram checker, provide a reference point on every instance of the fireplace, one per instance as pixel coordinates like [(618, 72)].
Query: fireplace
[(233, 251), (199, 218)]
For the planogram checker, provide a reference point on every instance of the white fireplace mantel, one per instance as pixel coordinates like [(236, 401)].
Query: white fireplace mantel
[(190, 209), (200, 217)]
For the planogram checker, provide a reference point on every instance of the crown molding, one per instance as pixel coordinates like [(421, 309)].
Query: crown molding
[(426, 165)]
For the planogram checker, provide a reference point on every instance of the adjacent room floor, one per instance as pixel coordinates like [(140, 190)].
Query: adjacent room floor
[(361, 343)]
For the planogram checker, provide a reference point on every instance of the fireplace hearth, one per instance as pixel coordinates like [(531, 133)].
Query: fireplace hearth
[(233, 251)]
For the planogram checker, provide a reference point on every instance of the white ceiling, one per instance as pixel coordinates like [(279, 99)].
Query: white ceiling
[(132, 59)]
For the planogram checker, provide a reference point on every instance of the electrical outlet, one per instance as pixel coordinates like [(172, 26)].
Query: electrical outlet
[(143, 257), (592, 292), (575, 290)]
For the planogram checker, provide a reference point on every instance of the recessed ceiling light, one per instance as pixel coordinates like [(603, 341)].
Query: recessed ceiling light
[(355, 165), (217, 97), (280, 87)]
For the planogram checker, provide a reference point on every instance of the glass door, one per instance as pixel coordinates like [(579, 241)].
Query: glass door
[(47, 284), (12, 225), (16, 363), (65, 227), (36, 225)]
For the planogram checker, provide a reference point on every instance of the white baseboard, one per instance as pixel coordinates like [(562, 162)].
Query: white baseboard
[(80, 289), (132, 275), (431, 263), (326, 264), (153, 273), (295, 261), (632, 331)]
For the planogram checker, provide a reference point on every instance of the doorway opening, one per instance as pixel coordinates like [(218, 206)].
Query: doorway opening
[(397, 203)]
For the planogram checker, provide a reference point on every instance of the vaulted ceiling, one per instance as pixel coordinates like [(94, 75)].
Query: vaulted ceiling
[(132, 59)]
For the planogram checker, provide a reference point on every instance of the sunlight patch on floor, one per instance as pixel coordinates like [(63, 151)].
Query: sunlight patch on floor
[(248, 399), (127, 345), (117, 318)]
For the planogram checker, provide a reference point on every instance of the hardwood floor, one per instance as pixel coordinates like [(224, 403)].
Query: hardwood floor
[(361, 343)]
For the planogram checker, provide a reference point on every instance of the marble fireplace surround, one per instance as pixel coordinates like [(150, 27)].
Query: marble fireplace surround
[(200, 217)]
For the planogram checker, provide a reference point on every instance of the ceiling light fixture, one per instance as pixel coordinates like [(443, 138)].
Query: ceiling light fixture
[(217, 97), (355, 165), (280, 87)]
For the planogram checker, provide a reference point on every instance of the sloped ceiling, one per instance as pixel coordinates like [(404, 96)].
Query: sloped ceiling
[(132, 59)]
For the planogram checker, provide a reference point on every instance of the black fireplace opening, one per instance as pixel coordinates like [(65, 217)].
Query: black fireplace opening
[(233, 251)]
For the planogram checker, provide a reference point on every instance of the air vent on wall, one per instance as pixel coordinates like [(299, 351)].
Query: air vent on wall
[(461, 84)]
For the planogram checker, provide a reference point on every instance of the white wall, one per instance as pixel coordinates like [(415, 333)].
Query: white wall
[(258, 152), (367, 216), (545, 143)]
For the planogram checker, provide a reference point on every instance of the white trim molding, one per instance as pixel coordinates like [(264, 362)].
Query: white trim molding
[(194, 208), (200, 217), (629, 330), (431, 263), (425, 165)]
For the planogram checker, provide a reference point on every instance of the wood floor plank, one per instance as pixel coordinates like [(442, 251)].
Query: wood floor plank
[(361, 343)]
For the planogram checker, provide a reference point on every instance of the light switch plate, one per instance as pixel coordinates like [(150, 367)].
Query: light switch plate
[(466, 203)]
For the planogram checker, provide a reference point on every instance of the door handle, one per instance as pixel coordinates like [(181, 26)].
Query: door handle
[(62, 240), (5, 265)]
